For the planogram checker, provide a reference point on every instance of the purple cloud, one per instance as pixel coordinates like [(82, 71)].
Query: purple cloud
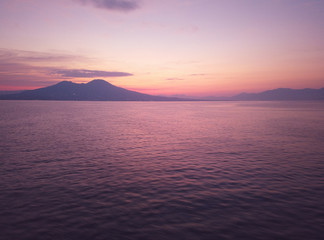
[(25, 69), (84, 73), (21, 56), (117, 5)]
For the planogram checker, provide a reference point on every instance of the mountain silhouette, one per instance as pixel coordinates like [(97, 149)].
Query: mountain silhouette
[(96, 90), (10, 92), (100, 90), (282, 94)]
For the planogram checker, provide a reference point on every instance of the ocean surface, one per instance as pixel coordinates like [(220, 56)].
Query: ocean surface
[(161, 170)]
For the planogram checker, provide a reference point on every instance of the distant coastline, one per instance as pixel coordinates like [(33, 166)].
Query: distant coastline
[(101, 90)]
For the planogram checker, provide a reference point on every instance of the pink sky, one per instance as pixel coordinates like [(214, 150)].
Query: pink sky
[(191, 47)]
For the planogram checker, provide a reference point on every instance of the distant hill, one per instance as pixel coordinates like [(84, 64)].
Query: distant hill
[(96, 90), (282, 94), (10, 92), (100, 90)]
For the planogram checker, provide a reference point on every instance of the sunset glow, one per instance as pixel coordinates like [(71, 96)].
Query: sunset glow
[(170, 47)]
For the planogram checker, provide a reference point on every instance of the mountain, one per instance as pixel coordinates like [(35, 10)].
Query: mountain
[(282, 94), (96, 90), (100, 90), (10, 92)]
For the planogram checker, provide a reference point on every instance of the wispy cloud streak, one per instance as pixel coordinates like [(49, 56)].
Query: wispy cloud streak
[(197, 74), (28, 68), (84, 73), (116, 5), (174, 79), (14, 56)]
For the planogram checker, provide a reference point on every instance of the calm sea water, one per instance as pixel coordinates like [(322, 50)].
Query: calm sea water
[(161, 170)]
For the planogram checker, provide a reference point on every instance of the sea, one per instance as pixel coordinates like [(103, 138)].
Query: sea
[(161, 170)]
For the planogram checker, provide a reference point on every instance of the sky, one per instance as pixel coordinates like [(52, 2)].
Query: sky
[(163, 47)]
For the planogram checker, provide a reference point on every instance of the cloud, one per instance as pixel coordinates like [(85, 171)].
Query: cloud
[(28, 57), (116, 5), (11, 82), (174, 79), (28, 69), (197, 74), (84, 73)]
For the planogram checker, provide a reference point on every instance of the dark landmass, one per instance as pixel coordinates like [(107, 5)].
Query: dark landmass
[(100, 90), (10, 92), (279, 94), (96, 90), (282, 94)]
